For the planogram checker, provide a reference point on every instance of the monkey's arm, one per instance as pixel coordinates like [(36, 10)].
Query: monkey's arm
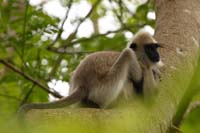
[(156, 74), (150, 83)]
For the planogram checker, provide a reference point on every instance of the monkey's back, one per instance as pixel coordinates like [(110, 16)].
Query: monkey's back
[(93, 68)]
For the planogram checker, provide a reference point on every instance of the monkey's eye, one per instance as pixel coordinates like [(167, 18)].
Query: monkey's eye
[(160, 45), (151, 47), (154, 45), (157, 45), (133, 46)]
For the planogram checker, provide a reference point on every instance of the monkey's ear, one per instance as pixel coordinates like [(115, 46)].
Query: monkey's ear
[(133, 46)]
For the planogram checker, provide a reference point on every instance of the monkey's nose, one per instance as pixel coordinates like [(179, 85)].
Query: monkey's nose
[(155, 58)]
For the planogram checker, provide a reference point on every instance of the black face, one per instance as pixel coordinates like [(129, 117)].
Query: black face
[(151, 51)]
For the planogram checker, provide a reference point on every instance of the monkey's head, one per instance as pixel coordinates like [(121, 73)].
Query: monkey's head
[(146, 48)]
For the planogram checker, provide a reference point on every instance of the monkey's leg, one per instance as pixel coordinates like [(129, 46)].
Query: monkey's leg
[(88, 103), (125, 67), (127, 61), (138, 86), (135, 74)]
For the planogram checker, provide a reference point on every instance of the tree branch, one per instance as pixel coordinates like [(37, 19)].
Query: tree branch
[(81, 21), (72, 35), (88, 14), (120, 14), (27, 95), (69, 39), (63, 50), (175, 129), (10, 97), (192, 106), (62, 24), (45, 88), (24, 33), (55, 67)]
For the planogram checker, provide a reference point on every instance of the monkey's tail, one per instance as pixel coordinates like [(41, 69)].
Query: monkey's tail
[(73, 98)]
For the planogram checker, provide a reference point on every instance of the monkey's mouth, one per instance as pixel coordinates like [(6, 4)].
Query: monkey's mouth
[(155, 60), (141, 58)]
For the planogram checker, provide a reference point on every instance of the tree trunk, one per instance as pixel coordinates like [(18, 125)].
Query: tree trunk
[(178, 28)]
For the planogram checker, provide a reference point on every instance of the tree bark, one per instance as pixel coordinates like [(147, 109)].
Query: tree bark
[(177, 27)]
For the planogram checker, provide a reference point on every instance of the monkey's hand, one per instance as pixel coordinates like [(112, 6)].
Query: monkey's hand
[(144, 67), (156, 74)]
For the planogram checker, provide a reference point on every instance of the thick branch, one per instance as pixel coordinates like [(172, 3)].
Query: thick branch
[(45, 88)]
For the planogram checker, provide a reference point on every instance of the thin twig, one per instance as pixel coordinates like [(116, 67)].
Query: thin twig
[(192, 107), (176, 129), (27, 95), (104, 34), (71, 37), (96, 36), (62, 24), (26, 76), (38, 62), (55, 67), (63, 50), (24, 32), (10, 97), (118, 15), (88, 14)]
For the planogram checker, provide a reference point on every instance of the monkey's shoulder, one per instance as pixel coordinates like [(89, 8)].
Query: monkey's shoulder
[(102, 58), (98, 62)]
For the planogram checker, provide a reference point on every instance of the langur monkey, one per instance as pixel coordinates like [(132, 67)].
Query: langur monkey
[(102, 76)]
